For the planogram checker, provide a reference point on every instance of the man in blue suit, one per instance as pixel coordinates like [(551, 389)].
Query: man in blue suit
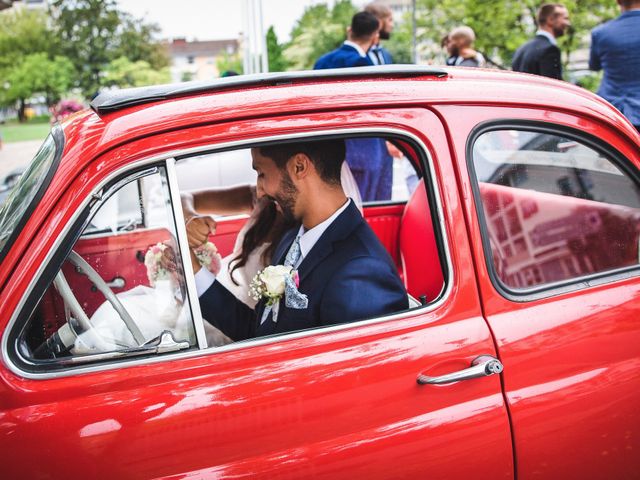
[(541, 55), (361, 35), (377, 53), (344, 274), (368, 158), (615, 48)]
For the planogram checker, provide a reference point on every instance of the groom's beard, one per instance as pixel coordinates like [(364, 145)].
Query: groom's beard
[(286, 198)]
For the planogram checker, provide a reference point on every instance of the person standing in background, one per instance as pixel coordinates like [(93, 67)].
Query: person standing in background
[(378, 54), (615, 48), (361, 35), (541, 55), (460, 48), (368, 158)]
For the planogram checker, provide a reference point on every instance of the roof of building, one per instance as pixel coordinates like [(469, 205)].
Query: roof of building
[(181, 47)]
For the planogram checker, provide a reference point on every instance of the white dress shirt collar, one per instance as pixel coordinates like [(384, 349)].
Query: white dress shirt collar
[(551, 38), (361, 52), (309, 238)]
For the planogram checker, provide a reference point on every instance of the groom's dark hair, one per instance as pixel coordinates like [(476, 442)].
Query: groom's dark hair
[(326, 155)]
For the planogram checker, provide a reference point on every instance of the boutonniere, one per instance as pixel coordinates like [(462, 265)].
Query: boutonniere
[(274, 282), (270, 283)]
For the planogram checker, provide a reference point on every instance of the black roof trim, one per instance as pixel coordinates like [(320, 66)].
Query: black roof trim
[(114, 100)]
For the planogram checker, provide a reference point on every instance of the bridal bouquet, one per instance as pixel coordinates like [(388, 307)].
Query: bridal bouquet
[(160, 261), (208, 256)]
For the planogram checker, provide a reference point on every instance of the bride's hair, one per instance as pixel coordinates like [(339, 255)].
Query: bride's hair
[(269, 226)]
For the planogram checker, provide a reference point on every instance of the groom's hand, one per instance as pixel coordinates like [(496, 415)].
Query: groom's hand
[(199, 227)]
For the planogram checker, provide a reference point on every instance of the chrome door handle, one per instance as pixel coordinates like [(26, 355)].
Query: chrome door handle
[(483, 366)]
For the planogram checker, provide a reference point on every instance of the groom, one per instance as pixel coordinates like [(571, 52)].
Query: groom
[(343, 269)]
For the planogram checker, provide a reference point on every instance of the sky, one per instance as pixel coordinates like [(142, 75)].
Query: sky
[(216, 19)]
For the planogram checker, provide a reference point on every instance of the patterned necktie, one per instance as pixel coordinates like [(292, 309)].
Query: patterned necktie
[(293, 298)]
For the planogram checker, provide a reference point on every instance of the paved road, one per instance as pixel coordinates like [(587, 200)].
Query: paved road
[(17, 154)]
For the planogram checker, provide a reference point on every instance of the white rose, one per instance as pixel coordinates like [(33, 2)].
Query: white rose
[(273, 278)]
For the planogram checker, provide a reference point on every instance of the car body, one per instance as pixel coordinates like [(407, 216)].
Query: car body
[(516, 262)]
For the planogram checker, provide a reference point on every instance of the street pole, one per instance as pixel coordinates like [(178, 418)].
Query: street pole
[(414, 46)]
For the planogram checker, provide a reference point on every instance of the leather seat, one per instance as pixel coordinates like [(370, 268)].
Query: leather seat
[(421, 269)]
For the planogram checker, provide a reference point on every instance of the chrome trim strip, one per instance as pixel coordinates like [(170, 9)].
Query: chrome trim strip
[(183, 246), (261, 341)]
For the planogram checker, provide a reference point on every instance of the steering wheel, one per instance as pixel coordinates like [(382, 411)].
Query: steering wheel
[(71, 302)]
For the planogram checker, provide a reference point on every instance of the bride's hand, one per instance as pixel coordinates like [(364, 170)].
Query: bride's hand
[(199, 227)]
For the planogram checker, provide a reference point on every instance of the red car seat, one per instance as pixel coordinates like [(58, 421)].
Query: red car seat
[(422, 272)]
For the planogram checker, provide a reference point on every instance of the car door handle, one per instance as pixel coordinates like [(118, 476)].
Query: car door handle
[(483, 366)]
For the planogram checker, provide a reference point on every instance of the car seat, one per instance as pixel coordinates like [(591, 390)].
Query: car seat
[(421, 268)]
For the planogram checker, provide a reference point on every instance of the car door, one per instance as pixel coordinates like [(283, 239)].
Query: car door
[(338, 402), (558, 200)]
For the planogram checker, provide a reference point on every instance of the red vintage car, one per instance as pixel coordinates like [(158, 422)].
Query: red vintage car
[(514, 223)]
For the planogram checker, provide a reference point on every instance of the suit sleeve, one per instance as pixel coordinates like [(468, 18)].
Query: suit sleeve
[(594, 55), (228, 314), (364, 287), (550, 63)]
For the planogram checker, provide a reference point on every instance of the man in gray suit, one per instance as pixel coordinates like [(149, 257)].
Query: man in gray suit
[(541, 55)]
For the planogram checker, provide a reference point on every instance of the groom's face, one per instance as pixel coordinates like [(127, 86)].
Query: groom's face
[(276, 184)]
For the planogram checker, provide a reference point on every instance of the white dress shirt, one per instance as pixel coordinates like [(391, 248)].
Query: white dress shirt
[(357, 47)]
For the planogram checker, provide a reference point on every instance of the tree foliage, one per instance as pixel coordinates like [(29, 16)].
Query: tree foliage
[(277, 62), (319, 30), (36, 74), (123, 73), (93, 33)]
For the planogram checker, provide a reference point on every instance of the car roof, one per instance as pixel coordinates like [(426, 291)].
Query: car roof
[(118, 117)]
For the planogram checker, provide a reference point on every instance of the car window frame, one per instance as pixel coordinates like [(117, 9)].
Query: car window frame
[(57, 135), (550, 289), (73, 229)]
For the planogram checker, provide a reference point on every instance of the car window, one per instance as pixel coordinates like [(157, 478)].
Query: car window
[(121, 290), (554, 208), (238, 219), (31, 184)]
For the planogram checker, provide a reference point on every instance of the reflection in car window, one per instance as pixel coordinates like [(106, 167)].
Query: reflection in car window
[(16, 205), (554, 208), (121, 290)]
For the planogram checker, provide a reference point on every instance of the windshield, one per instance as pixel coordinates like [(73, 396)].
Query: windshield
[(26, 193)]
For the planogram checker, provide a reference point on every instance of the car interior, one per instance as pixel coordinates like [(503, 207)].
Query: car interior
[(78, 311)]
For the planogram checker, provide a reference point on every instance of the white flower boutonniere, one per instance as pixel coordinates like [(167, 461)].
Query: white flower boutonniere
[(270, 283)]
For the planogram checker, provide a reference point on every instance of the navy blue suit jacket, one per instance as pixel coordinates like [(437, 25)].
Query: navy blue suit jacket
[(343, 57), (538, 56), (380, 55), (615, 49), (347, 276)]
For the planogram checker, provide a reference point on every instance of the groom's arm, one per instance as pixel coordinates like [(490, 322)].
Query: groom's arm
[(224, 311), (362, 288)]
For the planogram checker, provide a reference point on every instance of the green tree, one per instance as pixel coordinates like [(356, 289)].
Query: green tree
[(227, 62), (122, 73), (35, 75), (93, 33), (319, 30), (277, 62), (23, 32)]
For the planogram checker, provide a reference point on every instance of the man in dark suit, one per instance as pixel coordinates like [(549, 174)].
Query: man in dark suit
[(541, 55), (361, 35), (368, 158), (377, 53), (344, 274), (615, 48)]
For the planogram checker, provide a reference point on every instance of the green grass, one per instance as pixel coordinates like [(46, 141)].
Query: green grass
[(13, 131)]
